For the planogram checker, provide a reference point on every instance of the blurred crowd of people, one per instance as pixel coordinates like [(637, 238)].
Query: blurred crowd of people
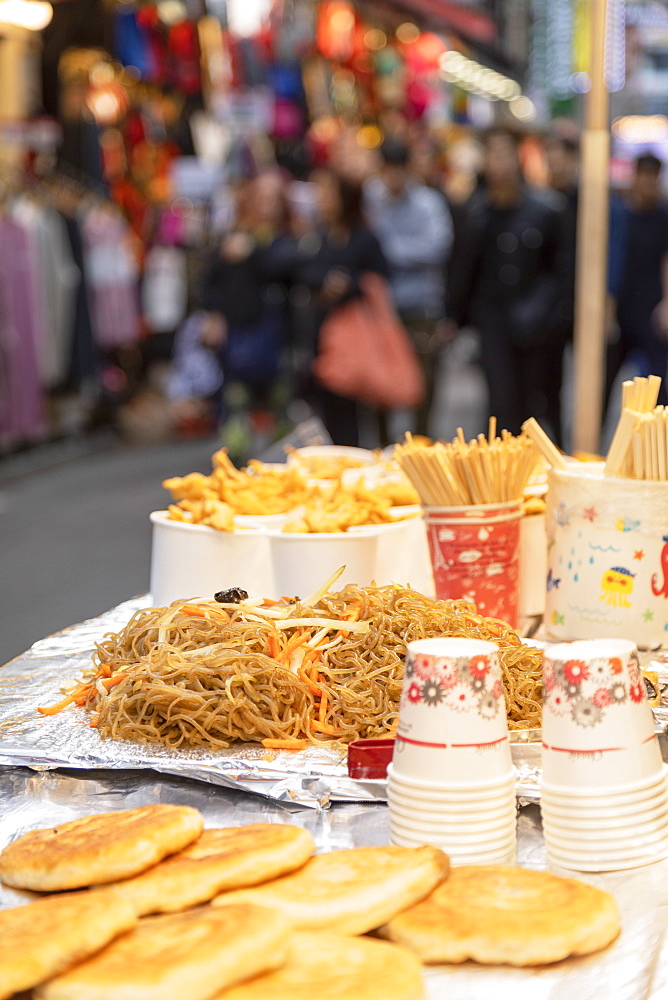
[(498, 257)]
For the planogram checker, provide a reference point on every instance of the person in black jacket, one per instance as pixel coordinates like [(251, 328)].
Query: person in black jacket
[(244, 289), (508, 282), (331, 264)]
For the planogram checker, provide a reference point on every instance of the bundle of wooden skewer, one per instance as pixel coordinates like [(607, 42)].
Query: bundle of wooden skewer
[(484, 470), (639, 448)]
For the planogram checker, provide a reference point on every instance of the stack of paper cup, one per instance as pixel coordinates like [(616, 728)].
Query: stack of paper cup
[(451, 782), (605, 789)]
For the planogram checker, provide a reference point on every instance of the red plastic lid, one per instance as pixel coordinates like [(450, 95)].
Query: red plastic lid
[(369, 758)]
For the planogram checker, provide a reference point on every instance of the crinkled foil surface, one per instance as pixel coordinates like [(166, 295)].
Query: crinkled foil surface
[(57, 769), (312, 777), (635, 967)]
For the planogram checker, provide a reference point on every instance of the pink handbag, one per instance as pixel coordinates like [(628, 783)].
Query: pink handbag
[(365, 352)]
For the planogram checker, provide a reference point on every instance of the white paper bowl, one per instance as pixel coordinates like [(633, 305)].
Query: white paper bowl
[(193, 560), (301, 562)]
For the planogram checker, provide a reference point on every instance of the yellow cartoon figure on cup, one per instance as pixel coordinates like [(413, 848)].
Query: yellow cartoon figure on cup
[(617, 584)]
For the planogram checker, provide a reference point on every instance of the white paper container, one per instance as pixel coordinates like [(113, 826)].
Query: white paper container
[(453, 724), (193, 560), (533, 565), (598, 728), (608, 557), (402, 555), (300, 563)]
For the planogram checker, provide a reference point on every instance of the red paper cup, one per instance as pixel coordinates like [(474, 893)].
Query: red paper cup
[(475, 555)]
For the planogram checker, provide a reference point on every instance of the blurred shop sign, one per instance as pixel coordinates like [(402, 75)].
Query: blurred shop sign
[(40, 136)]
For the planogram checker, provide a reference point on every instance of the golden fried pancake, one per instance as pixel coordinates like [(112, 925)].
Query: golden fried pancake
[(335, 967), (183, 956), (501, 915), (46, 937), (219, 860), (100, 848), (353, 891)]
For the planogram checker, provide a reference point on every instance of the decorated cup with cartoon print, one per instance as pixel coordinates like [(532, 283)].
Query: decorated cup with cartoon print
[(452, 729), (598, 728)]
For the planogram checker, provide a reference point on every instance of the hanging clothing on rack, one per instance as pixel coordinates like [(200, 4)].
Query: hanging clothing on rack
[(56, 278), (22, 416), (113, 278)]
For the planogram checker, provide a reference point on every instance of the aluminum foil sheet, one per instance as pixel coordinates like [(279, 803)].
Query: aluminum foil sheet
[(635, 967), (312, 777)]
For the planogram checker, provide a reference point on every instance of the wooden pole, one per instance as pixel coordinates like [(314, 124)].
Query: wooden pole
[(592, 248)]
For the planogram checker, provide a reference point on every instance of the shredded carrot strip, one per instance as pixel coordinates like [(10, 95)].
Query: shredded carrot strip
[(195, 612), (301, 673), (104, 671), (59, 706), (285, 744), (274, 650), (95, 722), (111, 682), (310, 654), (191, 609), (72, 698), (295, 643), (323, 727)]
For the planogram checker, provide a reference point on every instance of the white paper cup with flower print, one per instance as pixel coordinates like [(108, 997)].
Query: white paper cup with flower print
[(598, 728), (452, 716)]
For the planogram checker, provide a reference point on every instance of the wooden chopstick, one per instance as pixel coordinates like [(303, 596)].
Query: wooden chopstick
[(621, 441), (545, 446)]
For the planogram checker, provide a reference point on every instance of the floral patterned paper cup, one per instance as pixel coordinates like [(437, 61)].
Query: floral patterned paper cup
[(598, 728), (452, 726)]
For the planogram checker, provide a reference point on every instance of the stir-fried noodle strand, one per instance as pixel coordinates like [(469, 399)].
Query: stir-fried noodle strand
[(207, 674)]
